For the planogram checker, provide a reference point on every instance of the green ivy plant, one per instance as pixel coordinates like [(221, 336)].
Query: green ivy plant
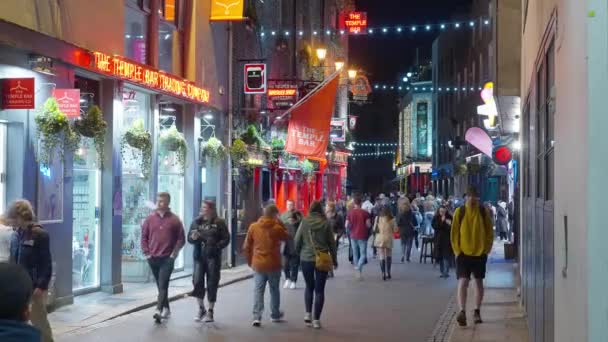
[(238, 151), (307, 167), (214, 151), (252, 137), (92, 125), (140, 139), (278, 150), (171, 140), (54, 132)]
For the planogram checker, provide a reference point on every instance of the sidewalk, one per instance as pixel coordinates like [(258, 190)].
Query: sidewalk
[(98, 307), (504, 319)]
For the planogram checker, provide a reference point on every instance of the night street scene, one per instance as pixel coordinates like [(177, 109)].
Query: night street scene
[(303, 170)]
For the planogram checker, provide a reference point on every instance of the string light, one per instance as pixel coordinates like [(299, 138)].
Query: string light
[(440, 89), (376, 144), (385, 29)]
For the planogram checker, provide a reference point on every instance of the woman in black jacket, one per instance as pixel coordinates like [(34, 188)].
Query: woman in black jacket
[(209, 235), (442, 224), (406, 221)]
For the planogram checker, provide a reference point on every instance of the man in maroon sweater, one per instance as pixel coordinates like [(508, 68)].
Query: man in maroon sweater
[(162, 236)]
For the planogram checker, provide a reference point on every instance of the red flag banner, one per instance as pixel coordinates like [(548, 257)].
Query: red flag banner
[(309, 124)]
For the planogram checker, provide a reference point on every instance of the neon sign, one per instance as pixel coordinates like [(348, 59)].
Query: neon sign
[(143, 75), (489, 108), (282, 92), (355, 22)]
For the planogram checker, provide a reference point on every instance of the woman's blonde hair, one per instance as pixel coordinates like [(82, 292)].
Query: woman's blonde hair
[(331, 205), (18, 209)]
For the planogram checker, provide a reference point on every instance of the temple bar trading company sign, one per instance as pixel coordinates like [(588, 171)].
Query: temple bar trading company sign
[(18, 93)]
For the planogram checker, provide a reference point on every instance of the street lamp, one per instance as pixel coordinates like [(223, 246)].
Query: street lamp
[(339, 64), (352, 73), (321, 53)]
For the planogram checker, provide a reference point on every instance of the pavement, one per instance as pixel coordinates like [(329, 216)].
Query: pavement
[(406, 308), (503, 316)]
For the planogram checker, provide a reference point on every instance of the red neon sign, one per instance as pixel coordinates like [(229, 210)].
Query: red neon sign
[(282, 92), (140, 74), (354, 22)]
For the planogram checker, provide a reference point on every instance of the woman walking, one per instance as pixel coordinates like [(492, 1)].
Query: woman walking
[(385, 231), (406, 221), (442, 224), (292, 259), (313, 239), (502, 222), (209, 235)]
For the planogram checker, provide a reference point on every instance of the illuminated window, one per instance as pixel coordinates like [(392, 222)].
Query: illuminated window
[(136, 34), (168, 10)]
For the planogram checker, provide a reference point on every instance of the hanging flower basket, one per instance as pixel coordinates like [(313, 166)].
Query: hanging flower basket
[(140, 139), (214, 151), (238, 151), (92, 125), (171, 140), (54, 132), (307, 167)]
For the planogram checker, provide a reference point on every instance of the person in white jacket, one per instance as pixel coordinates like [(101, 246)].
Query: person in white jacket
[(5, 242)]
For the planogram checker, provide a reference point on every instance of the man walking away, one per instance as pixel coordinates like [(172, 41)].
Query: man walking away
[(471, 238), (359, 222), (209, 235), (291, 209), (262, 249), (162, 237), (30, 249), (15, 296)]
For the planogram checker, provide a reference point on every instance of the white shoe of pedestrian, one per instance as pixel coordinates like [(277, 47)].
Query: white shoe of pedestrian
[(292, 286), (316, 324), (166, 313), (287, 283), (308, 319), (256, 323)]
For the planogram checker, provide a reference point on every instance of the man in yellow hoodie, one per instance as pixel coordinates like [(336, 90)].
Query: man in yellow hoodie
[(472, 237)]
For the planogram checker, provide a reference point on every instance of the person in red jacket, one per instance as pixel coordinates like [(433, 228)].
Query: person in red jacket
[(162, 237), (358, 223)]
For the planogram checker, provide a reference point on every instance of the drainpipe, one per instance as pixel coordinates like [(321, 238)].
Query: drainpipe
[(230, 218)]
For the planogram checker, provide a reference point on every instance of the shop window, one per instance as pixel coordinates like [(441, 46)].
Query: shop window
[(136, 34), (166, 39), (171, 162), (170, 34)]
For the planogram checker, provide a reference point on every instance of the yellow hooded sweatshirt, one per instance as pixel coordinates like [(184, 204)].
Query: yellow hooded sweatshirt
[(474, 235)]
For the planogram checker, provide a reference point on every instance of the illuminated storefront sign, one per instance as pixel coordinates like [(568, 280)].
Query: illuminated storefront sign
[(489, 108), (354, 22), (282, 92), (148, 77), (224, 10)]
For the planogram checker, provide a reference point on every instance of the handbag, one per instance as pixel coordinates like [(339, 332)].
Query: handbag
[(323, 260)]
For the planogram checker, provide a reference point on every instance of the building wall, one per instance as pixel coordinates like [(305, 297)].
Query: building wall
[(572, 199)]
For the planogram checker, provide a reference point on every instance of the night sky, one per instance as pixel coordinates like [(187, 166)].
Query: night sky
[(385, 58)]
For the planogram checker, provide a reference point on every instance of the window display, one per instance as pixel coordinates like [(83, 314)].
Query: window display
[(86, 216), (171, 163), (136, 204)]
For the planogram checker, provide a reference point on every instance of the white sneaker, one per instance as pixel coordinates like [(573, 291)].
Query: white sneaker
[(256, 323), (166, 313), (287, 282), (292, 286), (316, 324), (308, 319)]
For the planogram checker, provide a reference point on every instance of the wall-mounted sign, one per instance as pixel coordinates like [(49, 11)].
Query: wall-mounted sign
[(352, 122), (255, 78), (354, 22), (338, 130), (502, 155), (422, 114), (340, 158), (489, 108), (148, 77), (225, 10), (360, 88), (68, 101), (18, 93), (307, 87), (281, 94)]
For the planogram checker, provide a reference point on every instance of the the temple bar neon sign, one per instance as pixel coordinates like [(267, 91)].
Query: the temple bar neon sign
[(134, 72), (356, 22)]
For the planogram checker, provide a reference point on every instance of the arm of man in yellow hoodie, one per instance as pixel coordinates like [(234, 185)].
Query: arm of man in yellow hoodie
[(487, 222), (455, 233)]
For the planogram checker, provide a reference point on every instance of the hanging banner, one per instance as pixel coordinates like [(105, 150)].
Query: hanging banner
[(18, 93), (68, 101), (480, 140), (337, 132), (360, 88), (281, 94), (352, 122), (309, 124), (225, 10), (255, 78)]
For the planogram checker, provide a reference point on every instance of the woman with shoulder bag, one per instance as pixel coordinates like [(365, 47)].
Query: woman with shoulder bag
[(442, 224), (209, 235), (317, 248), (385, 230)]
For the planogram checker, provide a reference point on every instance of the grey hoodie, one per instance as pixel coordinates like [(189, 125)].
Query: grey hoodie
[(322, 234)]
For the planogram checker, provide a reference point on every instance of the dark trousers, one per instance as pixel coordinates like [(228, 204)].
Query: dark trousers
[(162, 267), (315, 284), (206, 270), (291, 267), (406, 246)]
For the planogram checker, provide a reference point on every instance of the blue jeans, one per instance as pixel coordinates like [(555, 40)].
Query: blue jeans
[(260, 279), (444, 265), (359, 252)]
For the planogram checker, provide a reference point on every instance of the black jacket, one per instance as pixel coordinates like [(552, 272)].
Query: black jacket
[(214, 237), (443, 244), (14, 331), (406, 221), (336, 224), (30, 249)]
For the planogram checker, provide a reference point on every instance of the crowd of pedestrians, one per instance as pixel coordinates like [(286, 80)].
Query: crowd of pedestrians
[(288, 242)]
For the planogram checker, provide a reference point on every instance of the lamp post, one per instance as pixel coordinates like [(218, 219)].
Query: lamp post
[(321, 53), (352, 73)]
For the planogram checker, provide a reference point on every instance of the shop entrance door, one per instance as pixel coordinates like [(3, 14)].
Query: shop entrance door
[(3, 151)]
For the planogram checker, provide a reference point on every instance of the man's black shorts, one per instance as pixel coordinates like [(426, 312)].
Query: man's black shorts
[(467, 265)]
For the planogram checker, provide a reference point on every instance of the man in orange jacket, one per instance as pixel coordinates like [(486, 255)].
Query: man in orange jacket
[(263, 251)]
